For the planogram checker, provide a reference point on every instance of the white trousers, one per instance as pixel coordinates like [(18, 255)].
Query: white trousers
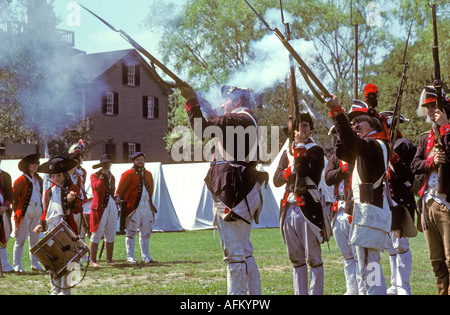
[(371, 271), (242, 271), (303, 248), (108, 224), (141, 220), (24, 231), (341, 233), (400, 261), (4, 251)]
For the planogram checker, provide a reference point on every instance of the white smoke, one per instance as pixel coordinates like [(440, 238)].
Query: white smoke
[(270, 65)]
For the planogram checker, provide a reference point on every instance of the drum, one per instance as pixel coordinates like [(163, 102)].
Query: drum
[(59, 248)]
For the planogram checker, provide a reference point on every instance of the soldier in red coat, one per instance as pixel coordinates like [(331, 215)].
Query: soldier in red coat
[(103, 218), (27, 192), (434, 202), (136, 190), (6, 196)]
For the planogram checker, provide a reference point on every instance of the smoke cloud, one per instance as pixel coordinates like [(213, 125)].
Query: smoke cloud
[(270, 65)]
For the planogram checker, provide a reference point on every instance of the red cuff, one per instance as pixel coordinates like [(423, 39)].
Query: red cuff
[(287, 172), (344, 167), (395, 158), (336, 111), (430, 162), (190, 104), (300, 152), (445, 129)]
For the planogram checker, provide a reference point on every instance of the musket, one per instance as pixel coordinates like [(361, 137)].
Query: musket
[(139, 48), (66, 190), (293, 95), (355, 76), (438, 86), (307, 74), (395, 124)]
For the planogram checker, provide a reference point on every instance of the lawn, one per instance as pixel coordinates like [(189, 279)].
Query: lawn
[(190, 263)]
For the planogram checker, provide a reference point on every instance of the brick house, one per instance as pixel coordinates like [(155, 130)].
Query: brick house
[(126, 105)]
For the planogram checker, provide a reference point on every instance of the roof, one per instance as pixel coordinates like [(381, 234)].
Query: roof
[(92, 66)]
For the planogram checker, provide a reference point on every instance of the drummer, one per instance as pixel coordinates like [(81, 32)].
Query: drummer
[(60, 204)]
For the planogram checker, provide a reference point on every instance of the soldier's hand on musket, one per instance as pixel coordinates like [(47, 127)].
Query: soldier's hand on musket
[(333, 103), (440, 158), (186, 91), (440, 117)]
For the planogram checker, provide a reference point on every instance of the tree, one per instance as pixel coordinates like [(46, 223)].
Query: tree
[(38, 82)]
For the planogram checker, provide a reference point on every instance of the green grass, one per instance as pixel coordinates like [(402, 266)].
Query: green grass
[(191, 263)]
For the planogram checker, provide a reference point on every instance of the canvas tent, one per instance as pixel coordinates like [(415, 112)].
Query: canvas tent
[(193, 202), (166, 219)]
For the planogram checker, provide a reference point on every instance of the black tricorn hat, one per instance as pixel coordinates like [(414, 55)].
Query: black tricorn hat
[(23, 164), (303, 117), (104, 158), (389, 114), (57, 165)]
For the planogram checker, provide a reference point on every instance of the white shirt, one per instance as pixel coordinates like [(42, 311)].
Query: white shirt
[(55, 213)]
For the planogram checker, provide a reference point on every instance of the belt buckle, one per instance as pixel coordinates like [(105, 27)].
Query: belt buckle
[(432, 191)]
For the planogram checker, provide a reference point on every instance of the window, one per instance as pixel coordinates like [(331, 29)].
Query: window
[(131, 74), (110, 103), (130, 148), (150, 106)]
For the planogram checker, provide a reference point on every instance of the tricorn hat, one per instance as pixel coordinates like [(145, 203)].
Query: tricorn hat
[(234, 92), (428, 98), (2, 148), (359, 108), (57, 165), (389, 114), (104, 158), (23, 164)]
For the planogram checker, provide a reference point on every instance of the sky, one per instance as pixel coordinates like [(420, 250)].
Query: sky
[(92, 36)]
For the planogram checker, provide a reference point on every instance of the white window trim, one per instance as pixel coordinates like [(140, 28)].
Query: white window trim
[(131, 149), (150, 107), (109, 103), (132, 75)]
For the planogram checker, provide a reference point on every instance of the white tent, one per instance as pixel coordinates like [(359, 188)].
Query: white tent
[(193, 202), (166, 219)]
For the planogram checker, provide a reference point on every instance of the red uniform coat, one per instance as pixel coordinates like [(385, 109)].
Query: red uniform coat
[(6, 192), (130, 191), (102, 189), (70, 209), (22, 191)]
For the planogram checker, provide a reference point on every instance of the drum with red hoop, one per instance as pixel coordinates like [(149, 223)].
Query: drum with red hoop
[(58, 249)]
